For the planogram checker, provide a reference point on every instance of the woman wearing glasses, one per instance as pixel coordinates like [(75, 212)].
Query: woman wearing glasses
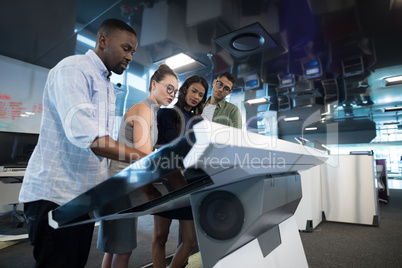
[(173, 123), (117, 238)]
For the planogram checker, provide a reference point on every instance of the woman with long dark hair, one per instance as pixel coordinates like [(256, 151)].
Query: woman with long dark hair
[(173, 123)]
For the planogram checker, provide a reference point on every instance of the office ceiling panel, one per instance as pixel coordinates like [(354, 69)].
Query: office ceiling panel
[(356, 42), (38, 32)]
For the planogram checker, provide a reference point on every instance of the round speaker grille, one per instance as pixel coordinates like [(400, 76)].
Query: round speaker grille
[(247, 41), (221, 215)]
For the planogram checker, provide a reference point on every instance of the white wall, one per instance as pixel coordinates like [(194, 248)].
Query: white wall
[(21, 90)]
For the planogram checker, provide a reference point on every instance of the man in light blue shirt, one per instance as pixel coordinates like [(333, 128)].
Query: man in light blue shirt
[(75, 144)]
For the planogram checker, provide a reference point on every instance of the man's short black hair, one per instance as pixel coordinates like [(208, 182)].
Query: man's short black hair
[(113, 24), (229, 76)]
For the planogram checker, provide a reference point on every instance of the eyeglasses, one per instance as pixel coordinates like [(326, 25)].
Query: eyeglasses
[(169, 88), (219, 85)]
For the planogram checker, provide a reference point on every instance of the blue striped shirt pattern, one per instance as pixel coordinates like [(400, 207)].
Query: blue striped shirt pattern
[(78, 107)]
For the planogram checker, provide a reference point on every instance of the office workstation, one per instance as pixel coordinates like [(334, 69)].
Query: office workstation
[(319, 97)]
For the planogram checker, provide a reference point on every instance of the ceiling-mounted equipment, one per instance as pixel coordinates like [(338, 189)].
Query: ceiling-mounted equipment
[(355, 85), (367, 101), (247, 40), (352, 66), (312, 69), (304, 99), (251, 81), (330, 90), (166, 22), (348, 110), (284, 102), (304, 94), (287, 80)]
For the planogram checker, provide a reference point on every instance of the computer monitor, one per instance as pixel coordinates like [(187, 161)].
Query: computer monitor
[(312, 69), (287, 80), (16, 148), (252, 81)]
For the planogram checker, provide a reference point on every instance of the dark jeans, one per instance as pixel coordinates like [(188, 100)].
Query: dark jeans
[(65, 247)]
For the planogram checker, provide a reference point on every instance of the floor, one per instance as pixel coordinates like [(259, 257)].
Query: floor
[(8, 240)]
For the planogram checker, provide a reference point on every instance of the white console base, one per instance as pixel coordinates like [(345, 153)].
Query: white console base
[(288, 254)]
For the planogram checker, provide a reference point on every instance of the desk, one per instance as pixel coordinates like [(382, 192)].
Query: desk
[(243, 189)]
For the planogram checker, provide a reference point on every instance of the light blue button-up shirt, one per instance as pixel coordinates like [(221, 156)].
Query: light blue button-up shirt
[(78, 107)]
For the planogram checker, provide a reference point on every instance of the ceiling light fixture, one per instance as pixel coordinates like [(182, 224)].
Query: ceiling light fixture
[(257, 101), (182, 63), (179, 60), (361, 152), (392, 81), (288, 119), (310, 128), (393, 109)]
